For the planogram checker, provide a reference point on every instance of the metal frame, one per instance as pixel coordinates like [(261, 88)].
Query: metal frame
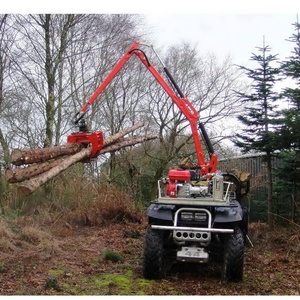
[(195, 201), (192, 209), (220, 230)]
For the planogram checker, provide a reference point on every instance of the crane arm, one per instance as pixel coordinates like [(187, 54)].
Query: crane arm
[(182, 103)]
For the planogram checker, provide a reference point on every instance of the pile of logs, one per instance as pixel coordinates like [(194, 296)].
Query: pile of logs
[(244, 178), (38, 166)]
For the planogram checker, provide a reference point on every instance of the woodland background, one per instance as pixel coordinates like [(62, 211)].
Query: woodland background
[(51, 64)]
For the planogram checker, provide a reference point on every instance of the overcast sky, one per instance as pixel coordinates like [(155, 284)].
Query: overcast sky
[(222, 27), (223, 34)]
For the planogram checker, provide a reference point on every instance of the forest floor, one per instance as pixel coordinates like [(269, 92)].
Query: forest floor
[(73, 260)]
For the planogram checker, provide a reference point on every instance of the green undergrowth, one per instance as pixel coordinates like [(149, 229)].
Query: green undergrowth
[(110, 284)]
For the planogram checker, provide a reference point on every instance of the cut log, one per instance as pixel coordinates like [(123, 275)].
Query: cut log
[(19, 175), (185, 164), (125, 142), (110, 140), (244, 176), (29, 186), (29, 156)]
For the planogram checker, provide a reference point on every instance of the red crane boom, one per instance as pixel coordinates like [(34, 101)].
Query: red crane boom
[(182, 103)]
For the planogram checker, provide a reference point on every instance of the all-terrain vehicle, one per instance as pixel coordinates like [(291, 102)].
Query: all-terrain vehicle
[(196, 219), (198, 214)]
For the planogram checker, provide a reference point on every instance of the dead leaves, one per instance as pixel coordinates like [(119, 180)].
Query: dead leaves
[(269, 268)]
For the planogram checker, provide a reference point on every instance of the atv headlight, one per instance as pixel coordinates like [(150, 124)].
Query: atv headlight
[(187, 216), (193, 216), (200, 216)]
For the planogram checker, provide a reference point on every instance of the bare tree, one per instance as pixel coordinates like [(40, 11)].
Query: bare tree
[(6, 41), (92, 59), (47, 38), (208, 85), (56, 64)]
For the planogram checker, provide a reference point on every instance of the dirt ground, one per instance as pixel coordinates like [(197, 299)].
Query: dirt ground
[(70, 260)]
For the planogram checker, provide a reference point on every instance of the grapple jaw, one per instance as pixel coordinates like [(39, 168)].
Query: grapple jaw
[(95, 139)]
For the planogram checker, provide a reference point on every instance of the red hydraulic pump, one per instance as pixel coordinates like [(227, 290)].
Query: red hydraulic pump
[(175, 94)]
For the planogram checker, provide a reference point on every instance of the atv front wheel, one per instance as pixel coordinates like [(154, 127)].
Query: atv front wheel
[(153, 254), (234, 257)]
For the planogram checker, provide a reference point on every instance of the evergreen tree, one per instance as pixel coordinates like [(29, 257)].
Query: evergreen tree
[(259, 116), (291, 68), (288, 135)]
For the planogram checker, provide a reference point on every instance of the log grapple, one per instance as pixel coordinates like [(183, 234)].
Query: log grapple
[(93, 139)]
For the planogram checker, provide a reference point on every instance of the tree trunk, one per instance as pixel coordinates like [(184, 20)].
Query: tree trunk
[(5, 148), (50, 74), (29, 186), (29, 156), (125, 142), (269, 189), (52, 63), (115, 137), (19, 175), (3, 66)]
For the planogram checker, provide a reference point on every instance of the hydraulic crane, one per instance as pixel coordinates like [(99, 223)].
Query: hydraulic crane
[(175, 94)]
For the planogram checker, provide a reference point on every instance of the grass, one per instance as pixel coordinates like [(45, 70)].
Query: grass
[(112, 256), (111, 284), (76, 199), (33, 235)]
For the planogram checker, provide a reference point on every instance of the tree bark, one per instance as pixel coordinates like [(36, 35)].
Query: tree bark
[(115, 137), (50, 75), (52, 62), (19, 175), (5, 148), (29, 186), (29, 156), (125, 142)]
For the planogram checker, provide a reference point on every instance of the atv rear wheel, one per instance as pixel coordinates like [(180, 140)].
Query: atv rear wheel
[(153, 254), (234, 257)]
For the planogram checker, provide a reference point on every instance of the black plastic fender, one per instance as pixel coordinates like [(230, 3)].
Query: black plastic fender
[(161, 212), (229, 214)]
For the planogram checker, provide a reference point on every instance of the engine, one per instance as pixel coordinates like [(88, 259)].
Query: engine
[(188, 184)]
